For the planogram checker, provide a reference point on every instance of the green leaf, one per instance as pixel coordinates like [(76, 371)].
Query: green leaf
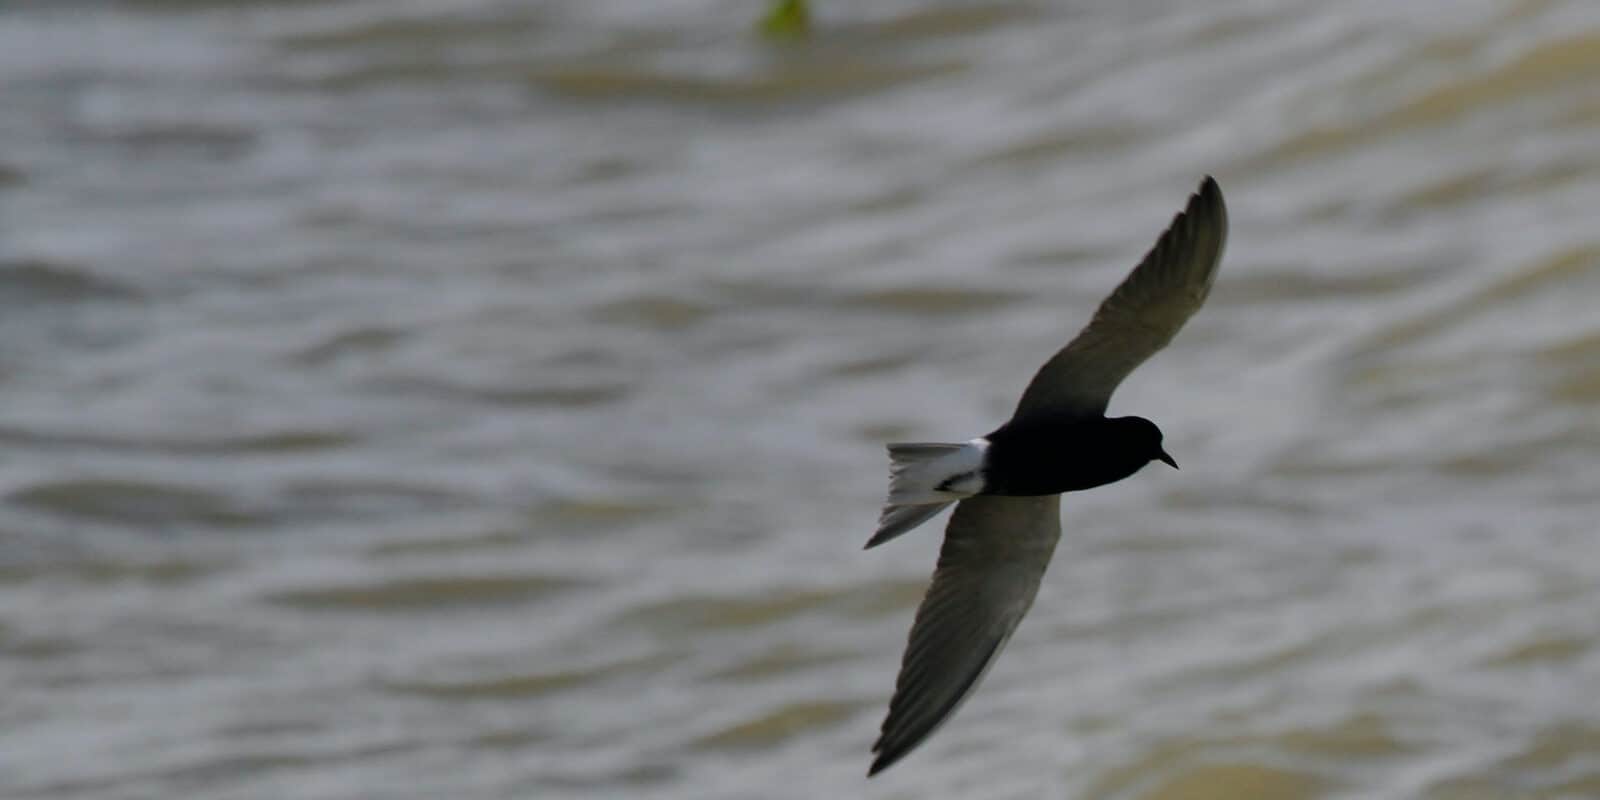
[(786, 19)]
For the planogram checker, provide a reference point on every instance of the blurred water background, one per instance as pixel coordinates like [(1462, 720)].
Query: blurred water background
[(485, 398)]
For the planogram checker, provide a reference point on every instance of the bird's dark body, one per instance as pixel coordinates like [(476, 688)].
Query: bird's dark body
[(1050, 456)]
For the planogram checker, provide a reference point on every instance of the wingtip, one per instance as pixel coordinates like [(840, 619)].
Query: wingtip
[(881, 760), (1207, 203)]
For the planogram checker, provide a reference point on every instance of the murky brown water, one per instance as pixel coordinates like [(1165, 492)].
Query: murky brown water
[(485, 399)]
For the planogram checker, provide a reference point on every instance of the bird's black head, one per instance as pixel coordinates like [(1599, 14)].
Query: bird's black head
[(1144, 438)]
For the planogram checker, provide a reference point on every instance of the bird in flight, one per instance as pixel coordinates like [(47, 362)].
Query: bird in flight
[(1008, 483)]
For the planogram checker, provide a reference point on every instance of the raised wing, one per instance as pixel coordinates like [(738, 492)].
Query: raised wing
[(995, 552), (1140, 317)]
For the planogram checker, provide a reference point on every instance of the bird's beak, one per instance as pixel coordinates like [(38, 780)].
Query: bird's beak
[(1167, 459)]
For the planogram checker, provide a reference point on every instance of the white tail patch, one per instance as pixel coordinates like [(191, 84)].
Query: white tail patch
[(924, 477), (896, 520)]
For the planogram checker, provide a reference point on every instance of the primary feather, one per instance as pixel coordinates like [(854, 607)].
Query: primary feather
[(994, 555), (1139, 317)]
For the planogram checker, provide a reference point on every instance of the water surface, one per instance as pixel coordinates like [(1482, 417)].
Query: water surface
[(485, 399)]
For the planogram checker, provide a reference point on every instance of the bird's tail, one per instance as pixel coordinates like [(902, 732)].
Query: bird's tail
[(924, 477)]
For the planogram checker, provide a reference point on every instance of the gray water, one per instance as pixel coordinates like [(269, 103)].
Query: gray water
[(484, 399)]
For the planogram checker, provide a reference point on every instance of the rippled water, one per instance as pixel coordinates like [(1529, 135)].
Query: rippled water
[(485, 399)]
